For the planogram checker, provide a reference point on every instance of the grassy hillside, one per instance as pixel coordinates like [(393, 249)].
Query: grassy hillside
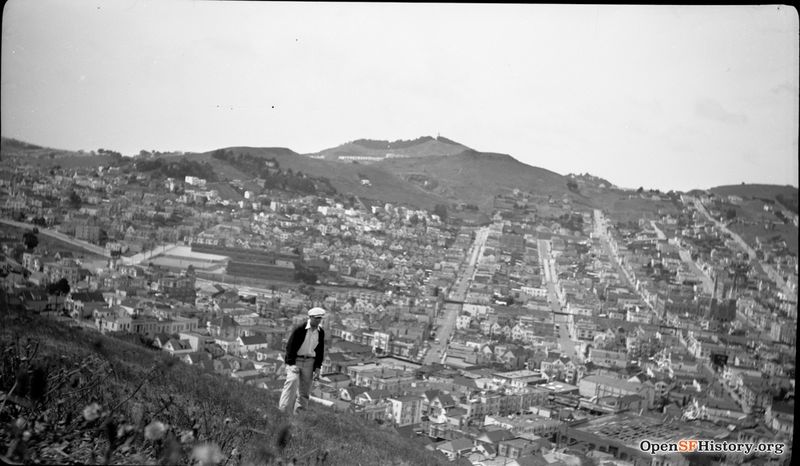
[(754, 190), (46, 157), (751, 220), (469, 176), (344, 177), (74, 396), (425, 146), (475, 177)]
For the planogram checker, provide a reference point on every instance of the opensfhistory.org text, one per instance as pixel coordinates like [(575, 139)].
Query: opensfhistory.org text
[(711, 446)]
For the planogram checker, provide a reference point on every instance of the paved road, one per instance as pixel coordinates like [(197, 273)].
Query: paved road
[(659, 233), (601, 231), (560, 322), (93, 248), (686, 257), (446, 323), (771, 272)]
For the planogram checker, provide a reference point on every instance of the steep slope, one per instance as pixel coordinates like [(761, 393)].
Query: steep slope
[(346, 178), (102, 400), (476, 177), (764, 191), (422, 172)]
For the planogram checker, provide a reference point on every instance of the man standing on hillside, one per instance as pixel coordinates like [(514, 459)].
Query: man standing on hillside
[(304, 352)]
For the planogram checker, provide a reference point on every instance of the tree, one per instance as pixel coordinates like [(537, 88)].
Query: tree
[(441, 211), (572, 185), (30, 239), (103, 237), (74, 200), (59, 288)]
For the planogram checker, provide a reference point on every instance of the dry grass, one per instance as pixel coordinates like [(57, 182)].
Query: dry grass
[(77, 397)]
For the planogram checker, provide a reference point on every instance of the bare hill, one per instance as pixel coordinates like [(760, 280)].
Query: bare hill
[(755, 190), (346, 178), (46, 157), (475, 177), (425, 146)]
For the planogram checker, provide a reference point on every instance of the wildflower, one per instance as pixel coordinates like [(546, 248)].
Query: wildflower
[(207, 454), (39, 427), (155, 430), (26, 436), (123, 430), (187, 436), (91, 412)]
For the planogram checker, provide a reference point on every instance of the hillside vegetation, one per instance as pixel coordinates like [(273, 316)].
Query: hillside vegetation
[(345, 178), (74, 396), (425, 146), (476, 177), (438, 170), (786, 196)]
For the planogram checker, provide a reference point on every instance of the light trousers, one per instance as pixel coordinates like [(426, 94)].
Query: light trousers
[(298, 379)]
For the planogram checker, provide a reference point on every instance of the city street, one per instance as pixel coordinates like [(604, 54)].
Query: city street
[(769, 269), (560, 321), (686, 257), (446, 323)]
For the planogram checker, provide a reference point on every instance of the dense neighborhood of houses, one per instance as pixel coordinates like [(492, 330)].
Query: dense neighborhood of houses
[(577, 336)]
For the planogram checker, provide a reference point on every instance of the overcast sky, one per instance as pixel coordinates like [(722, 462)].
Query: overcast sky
[(671, 97)]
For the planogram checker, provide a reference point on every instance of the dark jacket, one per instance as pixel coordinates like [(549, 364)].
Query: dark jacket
[(296, 340)]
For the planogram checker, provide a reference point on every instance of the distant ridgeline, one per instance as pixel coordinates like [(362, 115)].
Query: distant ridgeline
[(177, 168), (399, 144), (371, 150)]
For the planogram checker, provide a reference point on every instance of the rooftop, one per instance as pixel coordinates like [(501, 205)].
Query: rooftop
[(629, 429)]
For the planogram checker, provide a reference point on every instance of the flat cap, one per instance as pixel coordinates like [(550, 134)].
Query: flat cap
[(316, 312)]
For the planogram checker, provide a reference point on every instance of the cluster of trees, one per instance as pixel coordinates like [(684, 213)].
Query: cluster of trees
[(399, 144), (651, 191), (74, 200), (30, 239), (112, 153), (178, 169), (290, 182), (144, 153), (244, 162), (788, 202), (572, 185), (274, 177), (571, 221)]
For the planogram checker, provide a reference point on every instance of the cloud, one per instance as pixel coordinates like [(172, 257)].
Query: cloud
[(711, 109)]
